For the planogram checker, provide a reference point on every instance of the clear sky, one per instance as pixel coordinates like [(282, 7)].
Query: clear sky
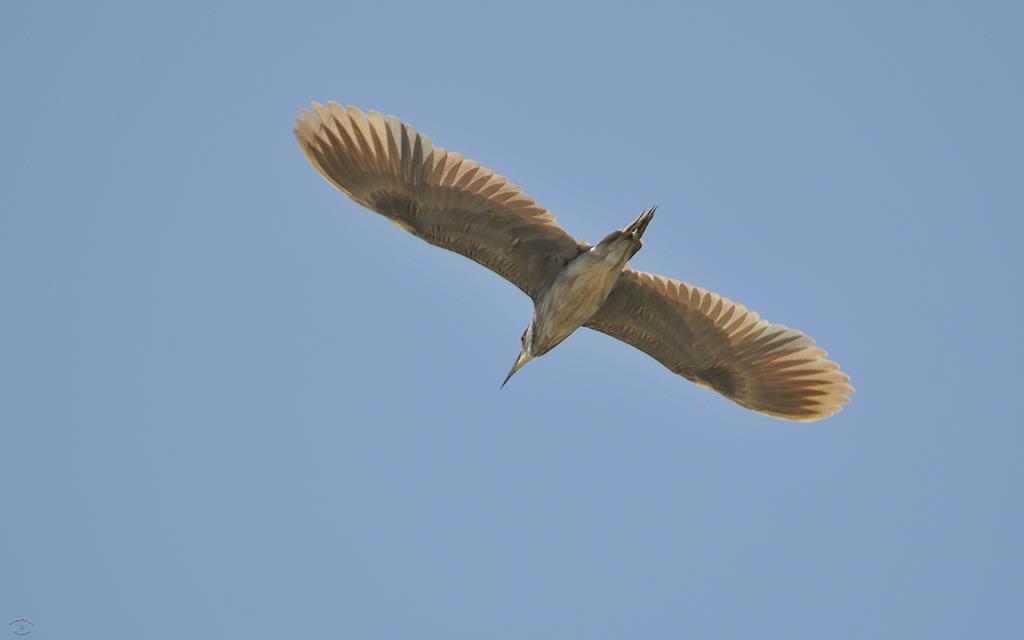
[(234, 404)]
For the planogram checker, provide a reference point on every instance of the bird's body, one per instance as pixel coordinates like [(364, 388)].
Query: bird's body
[(579, 290), (385, 165)]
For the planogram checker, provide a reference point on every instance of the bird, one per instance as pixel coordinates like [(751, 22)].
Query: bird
[(387, 166)]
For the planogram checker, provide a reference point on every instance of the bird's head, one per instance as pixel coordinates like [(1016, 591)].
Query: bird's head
[(525, 353)]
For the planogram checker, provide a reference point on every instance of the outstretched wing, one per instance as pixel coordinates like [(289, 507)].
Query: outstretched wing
[(437, 195), (721, 345)]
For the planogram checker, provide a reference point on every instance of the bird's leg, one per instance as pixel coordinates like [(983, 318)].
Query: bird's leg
[(623, 244), (638, 226)]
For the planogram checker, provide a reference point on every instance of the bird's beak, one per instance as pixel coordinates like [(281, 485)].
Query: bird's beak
[(523, 358)]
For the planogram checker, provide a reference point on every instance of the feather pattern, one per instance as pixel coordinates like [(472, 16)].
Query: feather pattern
[(385, 165), (720, 345)]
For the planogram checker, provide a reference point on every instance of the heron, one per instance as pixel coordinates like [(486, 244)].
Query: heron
[(387, 166)]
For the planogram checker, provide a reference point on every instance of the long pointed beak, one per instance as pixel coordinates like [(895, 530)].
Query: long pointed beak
[(520, 361)]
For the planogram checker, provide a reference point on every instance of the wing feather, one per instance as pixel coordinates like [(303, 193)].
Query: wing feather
[(450, 201), (723, 346)]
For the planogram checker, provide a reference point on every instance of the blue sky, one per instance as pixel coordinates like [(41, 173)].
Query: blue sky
[(234, 404)]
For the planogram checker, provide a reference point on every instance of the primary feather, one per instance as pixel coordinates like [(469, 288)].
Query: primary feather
[(449, 201)]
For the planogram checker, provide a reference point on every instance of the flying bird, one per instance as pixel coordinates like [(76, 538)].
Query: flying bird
[(452, 202)]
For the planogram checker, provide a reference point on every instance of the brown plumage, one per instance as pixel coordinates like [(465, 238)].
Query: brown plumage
[(439, 196), (454, 203), (721, 345)]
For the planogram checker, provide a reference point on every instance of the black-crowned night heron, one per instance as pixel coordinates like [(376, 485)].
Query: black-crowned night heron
[(454, 203)]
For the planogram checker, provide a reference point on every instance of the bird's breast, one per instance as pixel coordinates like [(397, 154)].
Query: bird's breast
[(576, 294)]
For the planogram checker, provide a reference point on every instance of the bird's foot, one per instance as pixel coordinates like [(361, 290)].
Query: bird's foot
[(637, 227)]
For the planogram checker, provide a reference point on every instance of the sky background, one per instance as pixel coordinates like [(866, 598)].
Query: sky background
[(235, 404)]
